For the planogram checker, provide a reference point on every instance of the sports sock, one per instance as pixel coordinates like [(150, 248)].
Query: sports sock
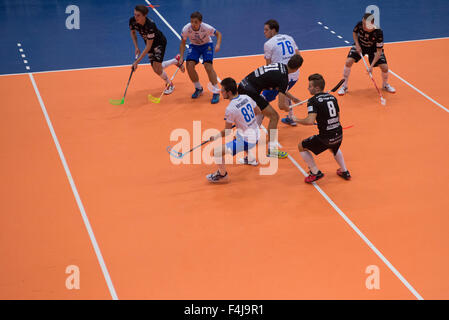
[(197, 85), (167, 63), (272, 145), (165, 77), (385, 78), (346, 73), (339, 158), (308, 158), (290, 114)]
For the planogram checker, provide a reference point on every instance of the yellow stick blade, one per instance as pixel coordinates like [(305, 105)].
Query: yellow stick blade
[(153, 99)]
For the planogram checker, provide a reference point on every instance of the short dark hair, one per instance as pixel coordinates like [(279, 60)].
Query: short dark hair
[(367, 15), (295, 61), (317, 80), (273, 24), (196, 15), (229, 84), (142, 9)]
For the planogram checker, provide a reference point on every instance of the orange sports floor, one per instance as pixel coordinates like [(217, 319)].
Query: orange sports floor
[(166, 233)]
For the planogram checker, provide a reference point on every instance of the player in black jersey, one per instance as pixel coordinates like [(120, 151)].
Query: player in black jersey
[(367, 40), (155, 42), (271, 77), (323, 109)]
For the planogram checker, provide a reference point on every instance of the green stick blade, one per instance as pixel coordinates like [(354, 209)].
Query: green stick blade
[(117, 102)]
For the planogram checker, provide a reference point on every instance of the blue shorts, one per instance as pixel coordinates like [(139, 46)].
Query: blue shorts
[(271, 95), (206, 51), (238, 145)]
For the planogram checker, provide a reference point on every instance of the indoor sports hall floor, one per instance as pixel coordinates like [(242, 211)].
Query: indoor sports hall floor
[(89, 184)]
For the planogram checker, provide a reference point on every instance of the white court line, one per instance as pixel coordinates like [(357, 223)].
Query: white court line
[(356, 229), (219, 58), (419, 91), (75, 193)]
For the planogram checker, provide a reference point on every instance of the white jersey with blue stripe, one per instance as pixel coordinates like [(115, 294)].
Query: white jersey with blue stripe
[(240, 111), (200, 37), (279, 49)]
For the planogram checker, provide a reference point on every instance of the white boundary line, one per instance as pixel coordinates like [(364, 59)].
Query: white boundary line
[(419, 91), (219, 58), (75, 193), (357, 230)]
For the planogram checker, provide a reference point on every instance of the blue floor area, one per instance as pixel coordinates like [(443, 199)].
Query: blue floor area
[(103, 38)]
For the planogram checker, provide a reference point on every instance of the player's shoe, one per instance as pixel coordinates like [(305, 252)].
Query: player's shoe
[(197, 93), (169, 89), (276, 153), (179, 64), (249, 162), (289, 121), (344, 174), (342, 90), (216, 177), (215, 98), (388, 88), (314, 177)]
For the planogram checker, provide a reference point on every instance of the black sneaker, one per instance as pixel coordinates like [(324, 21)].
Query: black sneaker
[(217, 177), (314, 177), (345, 175)]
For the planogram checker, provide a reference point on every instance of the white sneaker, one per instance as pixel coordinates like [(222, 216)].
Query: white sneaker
[(179, 64), (170, 89), (251, 162), (389, 88), (342, 90)]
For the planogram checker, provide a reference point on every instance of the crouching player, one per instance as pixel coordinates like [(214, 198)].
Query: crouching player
[(241, 112), (322, 108)]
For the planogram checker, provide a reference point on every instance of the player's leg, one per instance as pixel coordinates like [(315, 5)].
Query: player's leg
[(315, 145), (193, 57), (338, 156), (156, 56), (175, 61), (250, 158), (221, 175), (208, 57), (353, 56), (382, 64), (273, 151), (284, 104)]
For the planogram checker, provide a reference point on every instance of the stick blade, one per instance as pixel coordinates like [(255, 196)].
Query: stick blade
[(383, 101), (177, 155), (117, 102), (338, 85), (153, 99)]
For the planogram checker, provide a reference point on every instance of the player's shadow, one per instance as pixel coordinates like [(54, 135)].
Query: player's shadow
[(362, 96)]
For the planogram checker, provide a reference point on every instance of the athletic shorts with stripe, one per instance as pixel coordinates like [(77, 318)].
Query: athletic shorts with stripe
[(246, 88)]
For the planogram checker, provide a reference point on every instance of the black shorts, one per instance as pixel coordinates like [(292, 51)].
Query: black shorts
[(246, 88), (356, 56), (318, 144), (157, 51)]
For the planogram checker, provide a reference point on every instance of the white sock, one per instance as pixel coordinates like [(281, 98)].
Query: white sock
[(346, 73), (197, 85), (339, 158), (167, 63), (216, 89), (272, 145), (290, 114), (251, 156), (308, 158), (165, 77), (385, 78)]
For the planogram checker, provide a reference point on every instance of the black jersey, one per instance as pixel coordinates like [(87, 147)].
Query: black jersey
[(270, 77), (370, 41), (148, 31), (327, 112)]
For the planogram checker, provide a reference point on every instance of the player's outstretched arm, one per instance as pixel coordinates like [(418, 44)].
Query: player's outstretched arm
[(136, 44), (224, 132), (182, 49), (291, 97), (218, 45), (357, 44), (147, 49), (310, 120)]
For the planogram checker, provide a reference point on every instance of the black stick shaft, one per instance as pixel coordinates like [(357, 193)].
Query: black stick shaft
[(129, 80)]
